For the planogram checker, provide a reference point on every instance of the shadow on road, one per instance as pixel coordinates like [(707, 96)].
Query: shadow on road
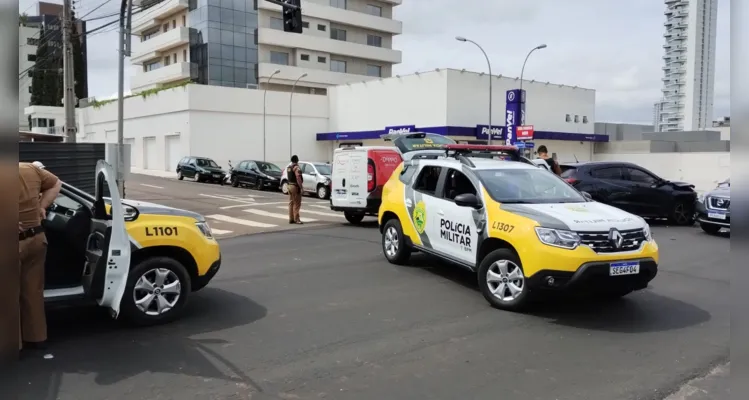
[(639, 312), (87, 341)]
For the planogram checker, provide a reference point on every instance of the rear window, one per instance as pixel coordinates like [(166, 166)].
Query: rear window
[(568, 171), (416, 142)]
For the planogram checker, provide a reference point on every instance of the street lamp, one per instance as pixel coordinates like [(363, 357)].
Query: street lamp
[(522, 71), (462, 39), (291, 97), (265, 92)]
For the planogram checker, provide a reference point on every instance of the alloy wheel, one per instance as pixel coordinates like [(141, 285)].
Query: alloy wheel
[(680, 214), (157, 291), (322, 192), (505, 280), (391, 242)]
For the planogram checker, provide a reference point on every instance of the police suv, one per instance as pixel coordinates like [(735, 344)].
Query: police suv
[(519, 227)]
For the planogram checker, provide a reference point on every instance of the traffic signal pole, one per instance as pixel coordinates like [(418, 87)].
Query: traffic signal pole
[(292, 14)]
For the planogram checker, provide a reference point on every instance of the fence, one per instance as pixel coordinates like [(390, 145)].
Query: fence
[(73, 163)]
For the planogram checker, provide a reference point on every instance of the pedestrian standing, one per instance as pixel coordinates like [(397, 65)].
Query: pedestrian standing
[(543, 153), (296, 183), (38, 189)]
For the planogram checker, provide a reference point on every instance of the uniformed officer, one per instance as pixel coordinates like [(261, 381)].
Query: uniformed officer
[(38, 189), (295, 182)]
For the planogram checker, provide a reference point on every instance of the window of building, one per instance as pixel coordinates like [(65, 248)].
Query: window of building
[(152, 66), (374, 40), (32, 42), (338, 34), (174, 24), (305, 24), (374, 10), (31, 57), (577, 119), (184, 20), (277, 57), (305, 57), (165, 27), (321, 27), (276, 23), (374, 70), (338, 66), (585, 119), (184, 55), (567, 118), (322, 60), (167, 60), (174, 58), (338, 4)]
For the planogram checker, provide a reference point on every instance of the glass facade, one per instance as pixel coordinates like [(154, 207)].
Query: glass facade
[(223, 41)]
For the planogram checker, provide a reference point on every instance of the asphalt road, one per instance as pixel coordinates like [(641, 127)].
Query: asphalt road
[(319, 313), (231, 211)]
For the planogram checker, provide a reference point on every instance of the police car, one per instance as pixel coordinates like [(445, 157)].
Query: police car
[(519, 227)]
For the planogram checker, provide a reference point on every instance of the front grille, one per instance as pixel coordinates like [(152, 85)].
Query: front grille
[(719, 203), (600, 243)]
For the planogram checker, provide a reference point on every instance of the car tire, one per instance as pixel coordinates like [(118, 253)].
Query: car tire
[(180, 176), (285, 187), (353, 218), (322, 192), (234, 181), (198, 178), (710, 228), (147, 270), (497, 271), (680, 215), (394, 244)]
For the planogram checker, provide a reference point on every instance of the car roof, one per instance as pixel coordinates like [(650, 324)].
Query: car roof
[(478, 162), (599, 164)]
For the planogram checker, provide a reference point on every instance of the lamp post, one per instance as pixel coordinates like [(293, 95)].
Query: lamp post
[(265, 92), (462, 39), (291, 98), (522, 71)]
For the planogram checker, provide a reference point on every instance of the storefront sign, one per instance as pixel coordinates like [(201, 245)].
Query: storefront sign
[(482, 132), (514, 114), (400, 129), (525, 132)]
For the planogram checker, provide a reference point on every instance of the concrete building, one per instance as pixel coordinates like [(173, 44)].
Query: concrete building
[(241, 44), (689, 66), (26, 59)]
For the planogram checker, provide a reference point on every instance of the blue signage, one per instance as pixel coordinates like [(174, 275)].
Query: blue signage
[(482, 132), (524, 145), (400, 129), (514, 114)]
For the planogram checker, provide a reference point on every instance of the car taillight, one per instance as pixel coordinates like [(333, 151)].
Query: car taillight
[(370, 177), (571, 181)]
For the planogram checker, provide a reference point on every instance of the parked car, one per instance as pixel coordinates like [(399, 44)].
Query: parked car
[(714, 208), (633, 189), (255, 174), (316, 177), (201, 169), (140, 260)]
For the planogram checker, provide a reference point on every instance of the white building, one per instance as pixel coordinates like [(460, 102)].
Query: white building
[(28, 38), (689, 67), (241, 43)]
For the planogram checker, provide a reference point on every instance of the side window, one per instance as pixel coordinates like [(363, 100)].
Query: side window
[(251, 165), (614, 173), (457, 183), (184, 160), (640, 176), (407, 173), (242, 165), (67, 205), (428, 178)]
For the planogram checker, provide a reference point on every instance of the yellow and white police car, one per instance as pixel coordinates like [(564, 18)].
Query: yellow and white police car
[(519, 227)]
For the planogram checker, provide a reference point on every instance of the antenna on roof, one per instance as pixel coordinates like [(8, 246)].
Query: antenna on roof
[(573, 155)]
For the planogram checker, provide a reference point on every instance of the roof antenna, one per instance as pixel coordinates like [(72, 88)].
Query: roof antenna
[(573, 155)]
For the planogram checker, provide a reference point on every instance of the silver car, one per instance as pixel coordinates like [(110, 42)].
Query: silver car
[(714, 208), (316, 176)]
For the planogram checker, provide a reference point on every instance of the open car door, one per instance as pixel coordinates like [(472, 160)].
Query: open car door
[(108, 245)]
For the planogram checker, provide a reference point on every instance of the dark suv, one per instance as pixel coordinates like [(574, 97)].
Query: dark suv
[(633, 189), (201, 169), (256, 174)]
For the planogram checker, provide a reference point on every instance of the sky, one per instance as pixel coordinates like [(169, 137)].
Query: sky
[(611, 46)]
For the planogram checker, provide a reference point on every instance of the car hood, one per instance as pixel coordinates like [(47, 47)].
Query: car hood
[(275, 174), (212, 169), (720, 192), (158, 209), (682, 185), (581, 217)]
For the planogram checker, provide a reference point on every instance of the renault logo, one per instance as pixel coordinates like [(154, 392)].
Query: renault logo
[(616, 238)]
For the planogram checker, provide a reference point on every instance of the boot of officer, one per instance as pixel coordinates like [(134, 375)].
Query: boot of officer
[(38, 189)]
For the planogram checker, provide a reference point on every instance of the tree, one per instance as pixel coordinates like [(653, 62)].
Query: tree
[(46, 74)]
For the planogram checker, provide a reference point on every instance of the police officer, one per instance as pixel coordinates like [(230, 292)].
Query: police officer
[(38, 189), (295, 182)]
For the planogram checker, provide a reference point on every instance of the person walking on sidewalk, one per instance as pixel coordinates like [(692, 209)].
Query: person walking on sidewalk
[(38, 189), (295, 182)]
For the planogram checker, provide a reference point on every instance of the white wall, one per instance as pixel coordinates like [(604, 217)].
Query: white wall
[(704, 170)]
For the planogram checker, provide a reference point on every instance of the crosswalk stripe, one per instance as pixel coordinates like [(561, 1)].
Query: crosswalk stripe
[(326, 214), (319, 206), (240, 221), (220, 231), (274, 215)]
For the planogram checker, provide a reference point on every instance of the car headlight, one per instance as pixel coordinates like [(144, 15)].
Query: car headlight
[(701, 197), (327, 181), (647, 233), (204, 229), (558, 238)]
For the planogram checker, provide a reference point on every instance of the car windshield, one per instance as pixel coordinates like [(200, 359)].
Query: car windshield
[(268, 167), (323, 169), (725, 184), (202, 162), (531, 186)]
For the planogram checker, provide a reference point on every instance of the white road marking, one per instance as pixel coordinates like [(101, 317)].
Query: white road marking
[(245, 201), (326, 214), (320, 206), (255, 205), (152, 186), (220, 231), (275, 215), (240, 221)]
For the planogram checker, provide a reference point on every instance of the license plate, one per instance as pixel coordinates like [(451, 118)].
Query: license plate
[(715, 215), (216, 175), (624, 268)]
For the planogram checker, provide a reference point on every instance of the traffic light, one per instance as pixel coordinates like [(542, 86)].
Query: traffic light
[(292, 17)]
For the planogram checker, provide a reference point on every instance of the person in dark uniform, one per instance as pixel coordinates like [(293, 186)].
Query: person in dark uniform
[(38, 189), (543, 153), (295, 181)]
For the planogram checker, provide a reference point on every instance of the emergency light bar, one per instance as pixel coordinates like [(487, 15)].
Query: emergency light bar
[(480, 147), (388, 137), (463, 151)]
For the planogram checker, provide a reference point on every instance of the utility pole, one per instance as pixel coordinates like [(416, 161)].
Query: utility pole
[(126, 11), (69, 99)]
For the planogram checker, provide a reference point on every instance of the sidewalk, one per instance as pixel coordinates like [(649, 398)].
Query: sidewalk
[(152, 172), (713, 386)]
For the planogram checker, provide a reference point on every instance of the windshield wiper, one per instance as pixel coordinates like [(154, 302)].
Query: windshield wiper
[(516, 202)]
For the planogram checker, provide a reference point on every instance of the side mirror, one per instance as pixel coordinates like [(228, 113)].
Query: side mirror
[(468, 200), (313, 173), (587, 196)]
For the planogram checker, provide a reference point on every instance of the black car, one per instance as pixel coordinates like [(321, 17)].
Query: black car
[(201, 169), (633, 189), (255, 174), (714, 208)]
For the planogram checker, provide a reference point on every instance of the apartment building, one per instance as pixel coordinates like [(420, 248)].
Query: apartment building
[(241, 43), (689, 66), (27, 46)]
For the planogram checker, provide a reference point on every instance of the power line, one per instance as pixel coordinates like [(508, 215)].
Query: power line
[(83, 18)]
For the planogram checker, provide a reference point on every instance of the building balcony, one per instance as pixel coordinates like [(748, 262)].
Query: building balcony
[(273, 37), (152, 17), (315, 77), (159, 44), (343, 17), (168, 74)]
